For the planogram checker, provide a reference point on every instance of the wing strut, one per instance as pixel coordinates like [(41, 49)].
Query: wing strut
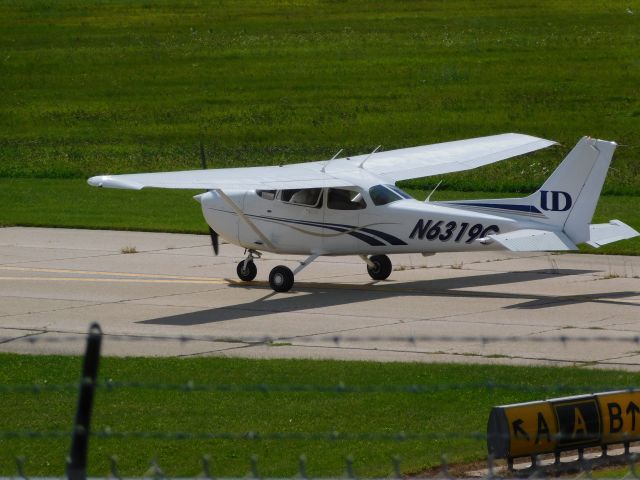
[(306, 262), (244, 218)]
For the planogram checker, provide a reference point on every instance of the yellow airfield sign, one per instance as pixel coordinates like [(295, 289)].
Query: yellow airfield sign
[(559, 424), (532, 428), (620, 412)]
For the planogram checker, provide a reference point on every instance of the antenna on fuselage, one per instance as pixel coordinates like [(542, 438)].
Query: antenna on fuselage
[(324, 167), (428, 199), (203, 159), (368, 156)]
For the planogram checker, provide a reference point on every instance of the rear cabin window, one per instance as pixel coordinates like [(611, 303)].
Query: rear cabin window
[(309, 197), (345, 199), (266, 194)]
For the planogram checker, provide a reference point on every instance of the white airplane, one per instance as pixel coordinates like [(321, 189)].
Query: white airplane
[(351, 206)]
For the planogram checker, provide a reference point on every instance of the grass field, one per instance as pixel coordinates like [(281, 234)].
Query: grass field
[(120, 86), (463, 411)]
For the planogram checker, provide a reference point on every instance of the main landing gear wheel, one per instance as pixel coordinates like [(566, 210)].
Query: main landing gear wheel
[(281, 279), (381, 268), (247, 272)]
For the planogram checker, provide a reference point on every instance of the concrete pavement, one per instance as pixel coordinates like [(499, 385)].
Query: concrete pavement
[(55, 282)]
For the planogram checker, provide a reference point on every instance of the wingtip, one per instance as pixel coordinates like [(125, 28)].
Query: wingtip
[(97, 181), (107, 181)]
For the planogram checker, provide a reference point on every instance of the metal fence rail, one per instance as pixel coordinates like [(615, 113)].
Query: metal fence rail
[(65, 337)]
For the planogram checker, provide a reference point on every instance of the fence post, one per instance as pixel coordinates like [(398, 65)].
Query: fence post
[(77, 462)]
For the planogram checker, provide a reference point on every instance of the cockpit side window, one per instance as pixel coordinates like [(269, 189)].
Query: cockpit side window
[(399, 191), (309, 197), (384, 194), (345, 199), (266, 194)]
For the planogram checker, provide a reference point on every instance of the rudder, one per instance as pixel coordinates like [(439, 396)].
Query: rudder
[(569, 196)]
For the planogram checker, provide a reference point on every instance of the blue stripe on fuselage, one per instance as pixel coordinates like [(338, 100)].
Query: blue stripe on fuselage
[(500, 206), (349, 229)]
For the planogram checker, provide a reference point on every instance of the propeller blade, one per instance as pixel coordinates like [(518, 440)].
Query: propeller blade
[(214, 240)]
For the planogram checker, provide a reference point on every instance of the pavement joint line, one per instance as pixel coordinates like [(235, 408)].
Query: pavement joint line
[(43, 247), (397, 321), (63, 259), (226, 349), (270, 312), (169, 249), (39, 312), (177, 294), (118, 274), (27, 335), (488, 356), (619, 357), (97, 304), (116, 280)]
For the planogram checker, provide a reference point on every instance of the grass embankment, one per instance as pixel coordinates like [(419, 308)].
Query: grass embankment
[(73, 203), (143, 410), (126, 86)]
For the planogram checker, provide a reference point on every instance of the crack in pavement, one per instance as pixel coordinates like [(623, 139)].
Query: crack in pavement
[(21, 337)]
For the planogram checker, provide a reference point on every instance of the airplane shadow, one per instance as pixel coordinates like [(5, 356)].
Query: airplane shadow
[(320, 295)]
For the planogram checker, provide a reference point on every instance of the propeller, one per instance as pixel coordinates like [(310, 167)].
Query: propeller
[(212, 233), (214, 240)]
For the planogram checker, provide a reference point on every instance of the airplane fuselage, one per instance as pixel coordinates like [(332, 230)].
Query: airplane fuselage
[(403, 225)]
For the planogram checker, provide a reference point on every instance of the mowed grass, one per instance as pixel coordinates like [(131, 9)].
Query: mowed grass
[(462, 411), (73, 203), (118, 86)]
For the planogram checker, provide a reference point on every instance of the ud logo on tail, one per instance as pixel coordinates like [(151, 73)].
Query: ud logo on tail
[(560, 201)]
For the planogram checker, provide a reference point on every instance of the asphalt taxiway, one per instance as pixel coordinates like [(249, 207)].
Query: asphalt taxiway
[(55, 282)]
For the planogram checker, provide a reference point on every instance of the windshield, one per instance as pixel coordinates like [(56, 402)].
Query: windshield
[(383, 194)]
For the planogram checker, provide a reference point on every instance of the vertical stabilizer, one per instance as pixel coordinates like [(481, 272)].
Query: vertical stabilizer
[(569, 196)]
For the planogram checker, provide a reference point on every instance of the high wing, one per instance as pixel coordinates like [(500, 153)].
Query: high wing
[(381, 167)]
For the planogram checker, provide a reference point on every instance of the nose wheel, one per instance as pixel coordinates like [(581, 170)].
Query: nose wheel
[(247, 270)]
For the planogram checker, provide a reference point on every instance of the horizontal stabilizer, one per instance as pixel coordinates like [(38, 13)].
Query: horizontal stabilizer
[(603, 233), (530, 240)]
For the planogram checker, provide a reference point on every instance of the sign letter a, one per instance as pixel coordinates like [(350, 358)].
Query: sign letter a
[(579, 425), (543, 429)]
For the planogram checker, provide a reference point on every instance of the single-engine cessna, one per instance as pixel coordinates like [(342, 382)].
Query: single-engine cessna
[(351, 205)]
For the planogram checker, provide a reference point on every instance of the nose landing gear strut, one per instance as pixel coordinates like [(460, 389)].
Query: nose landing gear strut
[(281, 278)]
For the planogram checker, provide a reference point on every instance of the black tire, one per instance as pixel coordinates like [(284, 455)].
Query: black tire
[(281, 279), (382, 268), (247, 273)]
